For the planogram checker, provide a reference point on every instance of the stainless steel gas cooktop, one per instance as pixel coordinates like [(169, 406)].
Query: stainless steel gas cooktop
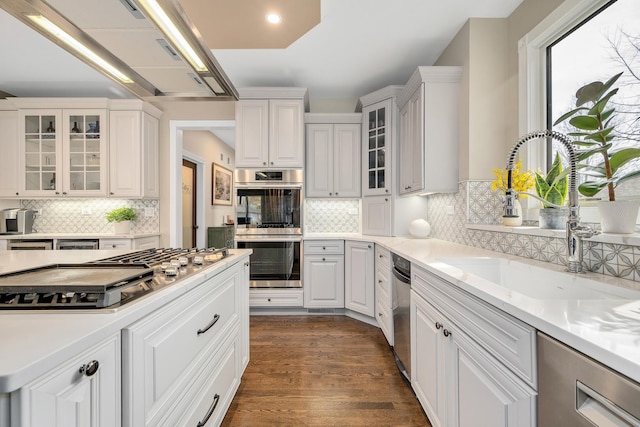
[(106, 283)]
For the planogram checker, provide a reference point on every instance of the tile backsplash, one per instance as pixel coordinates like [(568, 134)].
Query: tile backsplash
[(88, 215), (331, 216), (475, 203)]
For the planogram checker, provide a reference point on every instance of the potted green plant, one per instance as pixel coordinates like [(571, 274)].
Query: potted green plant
[(595, 125), (553, 189), (122, 218)]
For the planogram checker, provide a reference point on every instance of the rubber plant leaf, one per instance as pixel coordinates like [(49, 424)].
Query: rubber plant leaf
[(622, 157), (588, 93), (585, 122)]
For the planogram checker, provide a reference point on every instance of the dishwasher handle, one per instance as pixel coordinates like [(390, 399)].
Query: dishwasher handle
[(400, 276)]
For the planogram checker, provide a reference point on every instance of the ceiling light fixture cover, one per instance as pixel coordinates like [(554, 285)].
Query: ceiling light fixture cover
[(64, 37), (274, 18)]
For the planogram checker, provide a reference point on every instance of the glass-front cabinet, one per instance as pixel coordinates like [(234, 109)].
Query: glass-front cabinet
[(64, 153), (376, 155)]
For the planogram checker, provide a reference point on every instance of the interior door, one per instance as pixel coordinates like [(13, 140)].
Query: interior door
[(189, 223)]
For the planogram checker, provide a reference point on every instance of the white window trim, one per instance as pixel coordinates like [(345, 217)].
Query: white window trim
[(532, 79)]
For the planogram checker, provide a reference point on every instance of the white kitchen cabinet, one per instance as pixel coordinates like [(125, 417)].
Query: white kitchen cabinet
[(270, 133), (333, 156), (133, 154), (74, 394), (460, 376), (169, 355), (429, 131), (276, 298), (377, 215), (63, 152), (323, 281), (148, 242), (384, 313), (9, 161), (359, 285), (377, 147)]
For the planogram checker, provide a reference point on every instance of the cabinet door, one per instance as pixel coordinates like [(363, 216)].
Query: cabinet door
[(482, 392), (125, 164), (376, 153), (320, 163), (346, 163), (252, 133), (286, 133), (41, 153), (428, 360), (324, 281), (359, 287), (68, 398), (412, 143), (9, 161), (84, 142), (376, 215)]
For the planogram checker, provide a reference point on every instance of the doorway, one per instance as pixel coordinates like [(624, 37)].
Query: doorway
[(189, 204)]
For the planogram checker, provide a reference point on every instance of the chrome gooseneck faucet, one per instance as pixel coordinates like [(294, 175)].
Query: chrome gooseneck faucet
[(575, 231)]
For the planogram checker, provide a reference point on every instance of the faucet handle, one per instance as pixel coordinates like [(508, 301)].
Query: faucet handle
[(584, 231)]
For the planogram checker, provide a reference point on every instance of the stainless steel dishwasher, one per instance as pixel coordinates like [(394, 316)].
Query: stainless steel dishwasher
[(576, 391), (401, 298)]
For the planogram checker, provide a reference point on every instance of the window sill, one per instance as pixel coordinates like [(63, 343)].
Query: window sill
[(616, 239)]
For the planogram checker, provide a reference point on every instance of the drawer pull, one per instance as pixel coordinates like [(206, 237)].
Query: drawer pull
[(324, 248), (438, 325), (216, 399), (90, 368), (447, 333), (379, 281), (210, 325)]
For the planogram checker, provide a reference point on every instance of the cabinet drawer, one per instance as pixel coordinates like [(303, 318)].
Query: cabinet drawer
[(162, 349), (384, 316), (275, 298), (324, 247), (382, 280), (115, 243), (383, 257), (211, 398), (507, 338), (149, 242)]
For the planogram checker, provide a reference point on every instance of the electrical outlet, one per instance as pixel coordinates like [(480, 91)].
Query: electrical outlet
[(450, 210), (149, 212), (353, 211), (86, 211), (38, 211)]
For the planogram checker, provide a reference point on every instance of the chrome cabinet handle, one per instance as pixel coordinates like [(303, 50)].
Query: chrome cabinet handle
[(210, 325), (216, 399), (438, 325), (447, 333), (89, 369)]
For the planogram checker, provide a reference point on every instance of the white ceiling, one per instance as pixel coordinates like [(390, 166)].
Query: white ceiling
[(359, 46)]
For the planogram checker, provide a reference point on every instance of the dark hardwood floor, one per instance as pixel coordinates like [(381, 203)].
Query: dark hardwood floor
[(321, 371)]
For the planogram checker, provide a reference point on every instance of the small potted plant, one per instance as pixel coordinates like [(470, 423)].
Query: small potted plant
[(122, 218), (522, 182), (553, 188), (595, 123)]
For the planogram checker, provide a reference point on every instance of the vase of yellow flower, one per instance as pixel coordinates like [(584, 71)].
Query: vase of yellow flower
[(522, 181)]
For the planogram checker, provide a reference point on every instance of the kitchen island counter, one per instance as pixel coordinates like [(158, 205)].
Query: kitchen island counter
[(36, 342), (607, 330)]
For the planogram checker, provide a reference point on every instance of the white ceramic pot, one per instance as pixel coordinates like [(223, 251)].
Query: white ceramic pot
[(122, 227), (419, 228), (619, 216)]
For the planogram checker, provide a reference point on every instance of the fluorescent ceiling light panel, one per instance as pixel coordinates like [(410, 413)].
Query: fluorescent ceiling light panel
[(64, 37), (161, 19)]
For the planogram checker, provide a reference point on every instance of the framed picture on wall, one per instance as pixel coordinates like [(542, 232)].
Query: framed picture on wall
[(221, 185)]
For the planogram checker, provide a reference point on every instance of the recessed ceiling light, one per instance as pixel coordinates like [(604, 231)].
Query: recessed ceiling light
[(274, 18)]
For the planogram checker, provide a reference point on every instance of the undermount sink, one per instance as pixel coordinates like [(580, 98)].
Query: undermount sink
[(536, 282)]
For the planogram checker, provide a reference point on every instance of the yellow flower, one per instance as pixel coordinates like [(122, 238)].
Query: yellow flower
[(521, 180)]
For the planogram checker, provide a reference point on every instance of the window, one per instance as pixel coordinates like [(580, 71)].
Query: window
[(601, 45)]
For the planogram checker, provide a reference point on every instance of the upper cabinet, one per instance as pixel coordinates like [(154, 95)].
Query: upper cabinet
[(65, 147), (429, 122), (63, 152), (333, 155), (133, 154), (270, 128)]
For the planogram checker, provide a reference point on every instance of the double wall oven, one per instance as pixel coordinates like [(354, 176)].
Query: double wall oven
[(270, 222)]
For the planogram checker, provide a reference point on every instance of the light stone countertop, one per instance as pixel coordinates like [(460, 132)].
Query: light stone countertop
[(607, 330), (37, 236), (36, 342)]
